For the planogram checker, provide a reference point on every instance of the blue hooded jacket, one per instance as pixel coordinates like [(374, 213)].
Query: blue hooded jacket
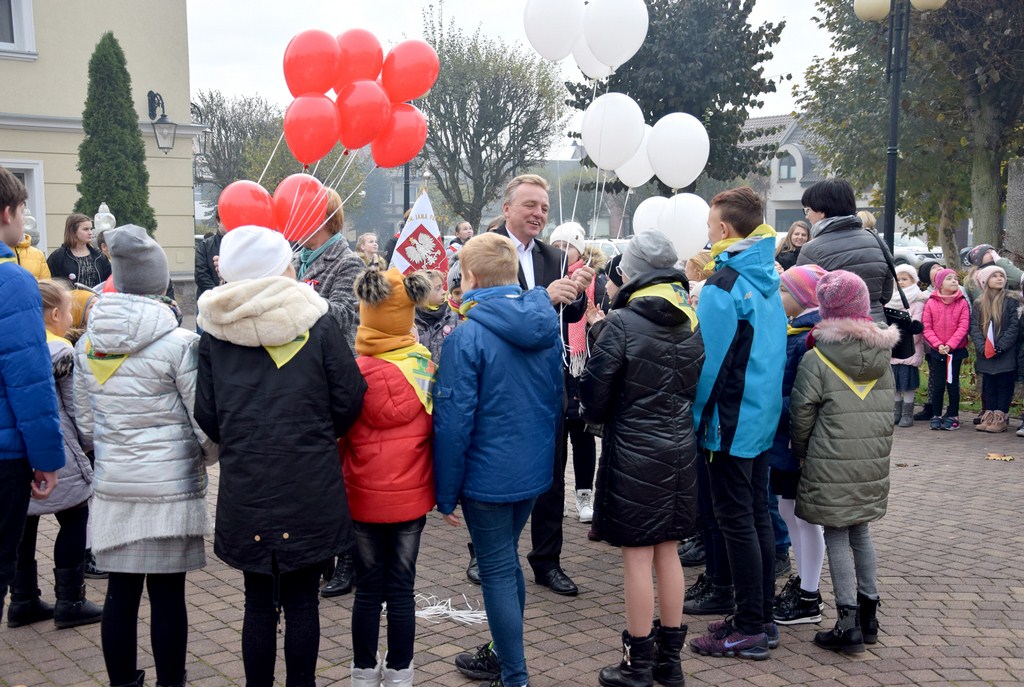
[(29, 422), (497, 399), (739, 395), (781, 457)]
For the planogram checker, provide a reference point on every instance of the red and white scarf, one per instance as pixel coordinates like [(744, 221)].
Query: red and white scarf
[(578, 330)]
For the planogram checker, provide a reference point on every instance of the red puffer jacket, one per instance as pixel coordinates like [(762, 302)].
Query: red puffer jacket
[(386, 455)]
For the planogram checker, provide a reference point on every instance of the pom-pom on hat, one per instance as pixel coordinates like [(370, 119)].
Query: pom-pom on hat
[(801, 283), (251, 252), (138, 263), (647, 251), (982, 276), (842, 295), (572, 234), (387, 304)]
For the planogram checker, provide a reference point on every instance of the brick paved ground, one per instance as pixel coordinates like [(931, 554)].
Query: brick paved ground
[(950, 566)]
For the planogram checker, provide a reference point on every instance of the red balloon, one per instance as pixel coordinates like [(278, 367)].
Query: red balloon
[(361, 58), (246, 202), (402, 138), (300, 204), (363, 109), (311, 62), (410, 69), (311, 127)]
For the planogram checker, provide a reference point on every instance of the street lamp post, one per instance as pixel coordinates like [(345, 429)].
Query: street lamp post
[(898, 13)]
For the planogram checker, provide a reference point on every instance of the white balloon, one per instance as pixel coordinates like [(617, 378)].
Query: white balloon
[(678, 149), (636, 171), (552, 26), (684, 219), (645, 217), (591, 67), (615, 29), (612, 130)]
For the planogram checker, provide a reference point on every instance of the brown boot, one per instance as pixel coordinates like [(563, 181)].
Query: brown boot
[(986, 420), (999, 422)]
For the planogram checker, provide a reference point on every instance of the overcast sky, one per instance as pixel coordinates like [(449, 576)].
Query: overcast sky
[(236, 46)]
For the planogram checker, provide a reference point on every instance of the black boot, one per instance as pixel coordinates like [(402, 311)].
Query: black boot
[(637, 666), (473, 569), (179, 683), (701, 587), (925, 413), (91, 571), (72, 608), (718, 600), (140, 678), (868, 618), (667, 669), (846, 636), (691, 552), (341, 582), (26, 606)]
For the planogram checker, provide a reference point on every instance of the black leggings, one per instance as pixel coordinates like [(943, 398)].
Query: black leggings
[(168, 626), (584, 452), (68, 547), (297, 592), (997, 390), (937, 384)]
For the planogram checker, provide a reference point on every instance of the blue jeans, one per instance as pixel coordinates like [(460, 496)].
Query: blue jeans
[(495, 529)]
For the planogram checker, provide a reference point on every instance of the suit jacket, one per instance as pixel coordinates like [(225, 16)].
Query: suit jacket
[(547, 267)]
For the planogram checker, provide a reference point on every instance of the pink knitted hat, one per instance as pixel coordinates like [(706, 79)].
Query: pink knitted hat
[(940, 277), (842, 294), (801, 282), (982, 276)]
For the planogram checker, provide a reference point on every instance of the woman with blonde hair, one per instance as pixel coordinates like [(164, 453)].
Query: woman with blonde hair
[(789, 250), (366, 249)]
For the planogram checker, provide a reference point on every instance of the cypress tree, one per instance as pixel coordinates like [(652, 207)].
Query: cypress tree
[(112, 157)]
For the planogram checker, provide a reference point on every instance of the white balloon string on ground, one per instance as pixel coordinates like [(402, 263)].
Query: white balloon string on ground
[(271, 159)]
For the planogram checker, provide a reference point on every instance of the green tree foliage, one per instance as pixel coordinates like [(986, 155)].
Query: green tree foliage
[(112, 156), (235, 127), (495, 110), (700, 57)]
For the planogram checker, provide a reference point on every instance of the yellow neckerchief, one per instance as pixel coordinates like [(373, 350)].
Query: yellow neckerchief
[(3, 260), (466, 307), (432, 308), (791, 330), (674, 293), (720, 247), (419, 370), (51, 337), (103, 365), (283, 354), (860, 389)]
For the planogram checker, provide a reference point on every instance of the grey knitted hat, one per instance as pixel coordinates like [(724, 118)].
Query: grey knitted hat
[(137, 262), (648, 250)]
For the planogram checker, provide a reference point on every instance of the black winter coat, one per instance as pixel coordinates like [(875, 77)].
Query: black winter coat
[(640, 383), (281, 489), (1005, 339), (206, 274)]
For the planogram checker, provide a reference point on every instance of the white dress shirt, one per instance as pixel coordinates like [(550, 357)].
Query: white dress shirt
[(525, 259)]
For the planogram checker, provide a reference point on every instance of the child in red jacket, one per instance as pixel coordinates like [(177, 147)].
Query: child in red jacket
[(387, 460), (947, 320)]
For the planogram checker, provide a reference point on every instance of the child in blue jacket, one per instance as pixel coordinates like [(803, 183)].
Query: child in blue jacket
[(496, 405)]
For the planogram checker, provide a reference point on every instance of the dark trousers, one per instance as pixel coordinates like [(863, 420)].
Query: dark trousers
[(937, 385), (168, 626), (997, 391), (716, 565), (298, 593), (385, 565), (68, 547), (739, 490), (546, 518), (584, 452), (15, 490)]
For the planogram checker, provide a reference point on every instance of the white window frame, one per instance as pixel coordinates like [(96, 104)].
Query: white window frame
[(24, 45), (36, 186)]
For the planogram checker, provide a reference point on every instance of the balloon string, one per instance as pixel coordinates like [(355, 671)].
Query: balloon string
[(360, 184), (579, 182), (321, 192), (622, 217), (272, 154), (558, 181)]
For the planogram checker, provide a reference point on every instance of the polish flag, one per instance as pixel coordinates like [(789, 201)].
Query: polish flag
[(420, 246), (990, 342)]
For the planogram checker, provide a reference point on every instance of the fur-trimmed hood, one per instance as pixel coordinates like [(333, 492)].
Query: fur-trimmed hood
[(260, 312), (860, 348)]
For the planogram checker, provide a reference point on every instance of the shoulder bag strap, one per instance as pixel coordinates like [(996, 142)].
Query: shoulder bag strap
[(892, 268)]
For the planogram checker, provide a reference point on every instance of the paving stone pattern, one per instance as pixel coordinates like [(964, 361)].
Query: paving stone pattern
[(950, 556)]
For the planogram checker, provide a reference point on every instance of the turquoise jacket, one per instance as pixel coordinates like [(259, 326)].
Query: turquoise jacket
[(739, 395)]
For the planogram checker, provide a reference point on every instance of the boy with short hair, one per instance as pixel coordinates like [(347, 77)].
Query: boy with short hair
[(739, 399), (496, 405)]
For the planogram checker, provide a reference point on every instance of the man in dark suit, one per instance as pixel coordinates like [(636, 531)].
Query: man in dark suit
[(526, 214)]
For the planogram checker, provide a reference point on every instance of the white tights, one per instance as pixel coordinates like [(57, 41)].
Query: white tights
[(808, 546)]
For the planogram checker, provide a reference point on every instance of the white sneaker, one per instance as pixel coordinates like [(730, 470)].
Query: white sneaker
[(1020, 430), (585, 504)]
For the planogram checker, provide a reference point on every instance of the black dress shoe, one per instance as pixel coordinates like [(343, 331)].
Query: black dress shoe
[(558, 582), (473, 569), (341, 582)]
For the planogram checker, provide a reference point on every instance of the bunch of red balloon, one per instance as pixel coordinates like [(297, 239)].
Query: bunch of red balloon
[(370, 109)]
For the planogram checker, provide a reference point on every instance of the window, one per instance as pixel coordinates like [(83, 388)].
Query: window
[(30, 173), (17, 30), (787, 168)]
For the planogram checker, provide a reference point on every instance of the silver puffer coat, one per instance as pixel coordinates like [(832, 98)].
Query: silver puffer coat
[(150, 480)]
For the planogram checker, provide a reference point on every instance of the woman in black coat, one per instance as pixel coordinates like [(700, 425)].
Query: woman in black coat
[(640, 384), (76, 259)]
